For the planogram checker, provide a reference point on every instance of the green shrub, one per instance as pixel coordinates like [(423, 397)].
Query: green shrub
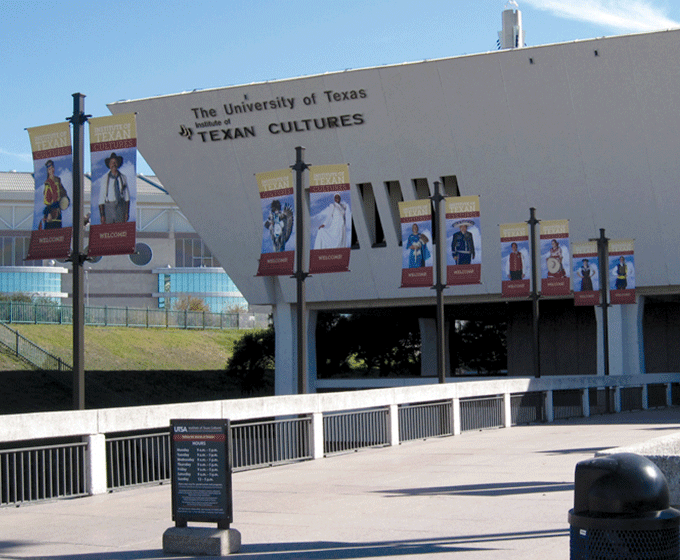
[(252, 358)]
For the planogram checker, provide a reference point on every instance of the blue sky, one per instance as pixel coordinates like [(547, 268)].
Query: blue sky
[(141, 48)]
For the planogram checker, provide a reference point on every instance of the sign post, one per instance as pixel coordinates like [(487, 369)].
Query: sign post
[(201, 488)]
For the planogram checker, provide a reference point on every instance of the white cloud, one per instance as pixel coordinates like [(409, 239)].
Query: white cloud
[(23, 157), (622, 15)]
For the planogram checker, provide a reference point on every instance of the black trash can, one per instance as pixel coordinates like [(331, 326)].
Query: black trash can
[(621, 511)]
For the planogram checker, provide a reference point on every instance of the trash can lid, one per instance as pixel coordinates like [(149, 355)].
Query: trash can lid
[(622, 483)]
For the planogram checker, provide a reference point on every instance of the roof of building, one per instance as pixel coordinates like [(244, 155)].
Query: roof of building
[(22, 181)]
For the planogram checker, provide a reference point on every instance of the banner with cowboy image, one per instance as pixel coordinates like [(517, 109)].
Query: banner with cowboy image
[(53, 173), (555, 259), (416, 235), (113, 164), (463, 237), (330, 218), (586, 273), (621, 271), (515, 260), (278, 232)]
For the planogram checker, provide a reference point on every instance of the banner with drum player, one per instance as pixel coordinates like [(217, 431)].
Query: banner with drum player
[(330, 218), (113, 200), (555, 258), (621, 271), (463, 236), (416, 236), (53, 173), (586, 273), (515, 260), (278, 234)]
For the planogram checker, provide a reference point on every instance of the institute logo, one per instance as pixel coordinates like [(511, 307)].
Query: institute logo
[(186, 132)]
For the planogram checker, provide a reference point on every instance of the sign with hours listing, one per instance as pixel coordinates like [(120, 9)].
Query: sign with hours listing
[(201, 472)]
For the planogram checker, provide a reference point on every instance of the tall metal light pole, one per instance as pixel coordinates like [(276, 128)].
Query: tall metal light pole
[(300, 275), (439, 262), (535, 346), (77, 258), (603, 257)]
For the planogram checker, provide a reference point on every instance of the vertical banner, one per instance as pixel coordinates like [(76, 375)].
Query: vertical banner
[(113, 164), (278, 210), (53, 172), (464, 237), (416, 236), (515, 260), (555, 267), (622, 271), (586, 273), (331, 218)]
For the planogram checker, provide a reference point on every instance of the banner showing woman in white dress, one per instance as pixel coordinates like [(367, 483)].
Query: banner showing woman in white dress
[(586, 273), (464, 239), (515, 260), (331, 218), (278, 231), (416, 236), (555, 258), (53, 173), (622, 271)]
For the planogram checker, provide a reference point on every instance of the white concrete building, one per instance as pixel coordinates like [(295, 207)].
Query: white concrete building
[(585, 131)]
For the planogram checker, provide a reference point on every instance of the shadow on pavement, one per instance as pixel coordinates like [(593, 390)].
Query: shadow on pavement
[(495, 489), (338, 550)]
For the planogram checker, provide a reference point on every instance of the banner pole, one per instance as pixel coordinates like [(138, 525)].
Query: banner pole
[(77, 258), (300, 275), (603, 256), (535, 346), (440, 286)]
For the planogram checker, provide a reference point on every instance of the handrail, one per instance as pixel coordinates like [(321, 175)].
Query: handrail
[(312, 426), (30, 352), (16, 427)]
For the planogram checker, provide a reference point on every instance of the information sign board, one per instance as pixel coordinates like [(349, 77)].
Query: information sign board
[(201, 472)]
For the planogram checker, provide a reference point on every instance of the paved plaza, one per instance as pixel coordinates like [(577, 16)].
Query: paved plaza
[(484, 495)]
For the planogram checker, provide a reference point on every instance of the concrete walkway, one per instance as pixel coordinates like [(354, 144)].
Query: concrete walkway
[(495, 494)]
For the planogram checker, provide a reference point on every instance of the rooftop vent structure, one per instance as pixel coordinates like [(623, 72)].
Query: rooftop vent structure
[(512, 35)]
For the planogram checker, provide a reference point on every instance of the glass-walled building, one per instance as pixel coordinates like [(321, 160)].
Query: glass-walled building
[(211, 285), (171, 262)]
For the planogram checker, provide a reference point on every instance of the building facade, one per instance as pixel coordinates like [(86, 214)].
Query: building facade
[(585, 131)]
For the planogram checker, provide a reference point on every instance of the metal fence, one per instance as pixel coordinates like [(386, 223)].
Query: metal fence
[(567, 404), (601, 400), (480, 413), (32, 353), (54, 314), (352, 430), (138, 459), (656, 395), (42, 473), (270, 442), (527, 408), (425, 420), (143, 457), (631, 398)]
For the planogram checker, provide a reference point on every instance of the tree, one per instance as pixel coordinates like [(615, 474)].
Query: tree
[(236, 309), (252, 359), (384, 341), (481, 346), (190, 303)]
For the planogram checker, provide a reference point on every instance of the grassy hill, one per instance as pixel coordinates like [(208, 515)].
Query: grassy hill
[(123, 367), (121, 348)]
